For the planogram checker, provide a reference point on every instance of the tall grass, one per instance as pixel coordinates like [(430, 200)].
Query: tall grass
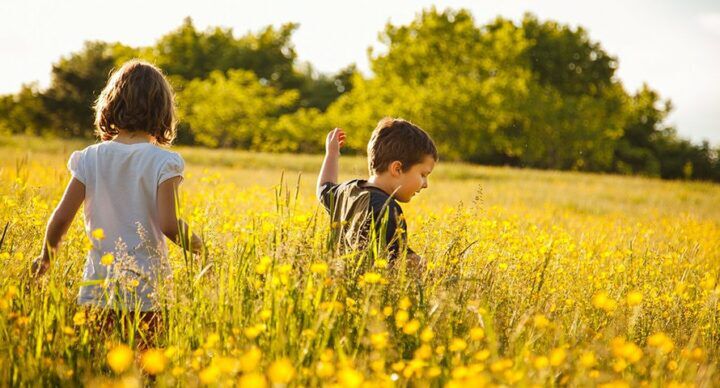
[(533, 277)]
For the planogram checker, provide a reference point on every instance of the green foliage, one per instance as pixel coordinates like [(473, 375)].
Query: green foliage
[(191, 54), (566, 58), (635, 151), (75, 85), (650, 147), (23, 112), (319, 90), (232, 111), (301, 131), (477, 91), (187, 54), (529, 93)]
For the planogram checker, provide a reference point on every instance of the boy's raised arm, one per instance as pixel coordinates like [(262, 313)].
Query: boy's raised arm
[(59, 223), (329, 170)]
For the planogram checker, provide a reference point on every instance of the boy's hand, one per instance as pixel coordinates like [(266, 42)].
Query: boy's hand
[(39, 266), (334, 141)]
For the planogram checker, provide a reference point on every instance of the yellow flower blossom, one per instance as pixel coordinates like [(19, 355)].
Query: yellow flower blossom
[(79, 318), (98, 234), (427, 335), (350, 378), (477, 333), (281, 371), (557, 356), (107, 259), (153, 361), (209, 375), (541, 362), (379, 340), (662, 342), (457, 345), (252, 380), (411, 327), (250, 360), (319, 268), (540, 321), (120, 358), (634, 298)]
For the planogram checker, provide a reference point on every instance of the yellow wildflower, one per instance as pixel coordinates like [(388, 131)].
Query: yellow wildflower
[(427, 335), (411, 327), (350, 378), (252, 380), (98, 234), (319, 268), (379, 340), (209, 375), (153, 361), (477, 333), (457, 345), (662, 342), (120, 358), (634, 298), (541, 362), (281, 371), (249, 360), (557, 356), (79, 318), (107, 259)]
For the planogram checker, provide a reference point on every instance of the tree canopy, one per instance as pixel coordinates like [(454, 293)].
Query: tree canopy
[(527, 93)]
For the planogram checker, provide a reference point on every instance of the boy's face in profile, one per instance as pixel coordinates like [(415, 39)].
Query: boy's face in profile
[(413, 180)]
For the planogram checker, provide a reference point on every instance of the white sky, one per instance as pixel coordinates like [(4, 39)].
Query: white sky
[(672, 45)]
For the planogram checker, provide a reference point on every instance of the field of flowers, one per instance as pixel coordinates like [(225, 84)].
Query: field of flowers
[(534, 278)]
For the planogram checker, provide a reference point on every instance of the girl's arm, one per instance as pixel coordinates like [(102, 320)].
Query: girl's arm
[(59, 223), (329, 170), (174, 229)]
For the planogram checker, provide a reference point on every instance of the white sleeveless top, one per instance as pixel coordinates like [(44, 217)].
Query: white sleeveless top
[(121, 183)]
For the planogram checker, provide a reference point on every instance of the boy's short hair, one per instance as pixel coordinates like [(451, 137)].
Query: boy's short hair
[(137, 97), (397, 139)]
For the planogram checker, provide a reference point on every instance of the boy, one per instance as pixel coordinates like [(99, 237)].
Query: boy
[(400, 158)]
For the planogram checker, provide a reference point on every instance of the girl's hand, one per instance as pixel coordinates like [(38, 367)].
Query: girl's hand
[(334, 141), (39, 266)]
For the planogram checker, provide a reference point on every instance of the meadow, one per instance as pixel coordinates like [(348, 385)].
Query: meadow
[(534, 278)]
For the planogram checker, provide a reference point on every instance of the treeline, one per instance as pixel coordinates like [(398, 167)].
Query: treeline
[(534, 93)]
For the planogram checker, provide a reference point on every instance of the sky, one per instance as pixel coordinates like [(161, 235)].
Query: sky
[(674, 46)]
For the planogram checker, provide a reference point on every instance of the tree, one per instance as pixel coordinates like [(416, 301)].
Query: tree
[(319, 90), (23, 112), (76, 82), (233, 110), (566, 58), (187, 54), (476, 90), (635, 151)]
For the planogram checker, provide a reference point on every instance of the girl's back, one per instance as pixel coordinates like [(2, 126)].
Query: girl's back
[(121, 184), (128, 185)]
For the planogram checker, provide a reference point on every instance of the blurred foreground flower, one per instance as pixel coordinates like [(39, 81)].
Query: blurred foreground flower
[(153, 361), (281, 371), (120, 358)]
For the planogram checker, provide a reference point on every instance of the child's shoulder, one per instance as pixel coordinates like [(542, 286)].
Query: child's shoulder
[(135, 148), (164, 152), (144, 153), (355, 189)]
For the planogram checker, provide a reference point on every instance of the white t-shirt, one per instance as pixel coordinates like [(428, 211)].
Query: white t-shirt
[(121, 184)]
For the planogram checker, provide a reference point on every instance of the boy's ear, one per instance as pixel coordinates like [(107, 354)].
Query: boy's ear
[(395, 168)]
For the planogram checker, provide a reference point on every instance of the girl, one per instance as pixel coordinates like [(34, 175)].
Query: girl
[(128, 184)]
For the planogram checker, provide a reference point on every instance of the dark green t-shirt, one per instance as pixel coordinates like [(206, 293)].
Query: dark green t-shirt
[(353, 207)]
